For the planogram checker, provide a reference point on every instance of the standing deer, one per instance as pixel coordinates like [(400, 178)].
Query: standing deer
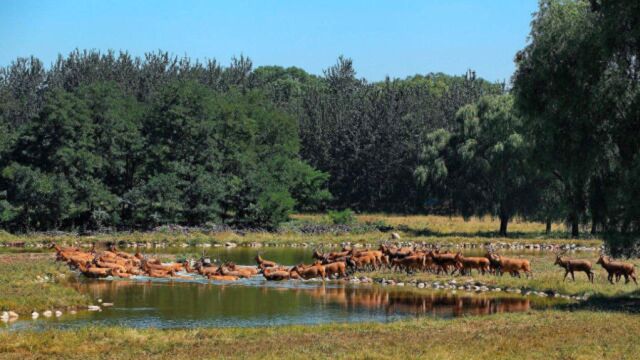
[(510, 265), (618, 268), (571, 265)]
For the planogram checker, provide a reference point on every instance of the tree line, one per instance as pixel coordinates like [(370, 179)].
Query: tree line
[(563, 144), (112, 140), (163, 139)]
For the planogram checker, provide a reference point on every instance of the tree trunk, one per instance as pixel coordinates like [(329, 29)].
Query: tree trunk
[(594, 227), (575, 226), (548, 228), (574, 221), (504, 222)]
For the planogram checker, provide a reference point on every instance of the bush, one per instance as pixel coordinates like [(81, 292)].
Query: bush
[(343, 217)]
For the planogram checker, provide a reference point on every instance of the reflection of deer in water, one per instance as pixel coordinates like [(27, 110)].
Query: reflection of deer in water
[(443, 304)]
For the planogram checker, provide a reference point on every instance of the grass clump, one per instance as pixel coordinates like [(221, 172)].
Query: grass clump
[(35, 282)]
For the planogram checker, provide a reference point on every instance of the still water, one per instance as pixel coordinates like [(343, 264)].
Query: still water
[(197, 302), (255, 302)]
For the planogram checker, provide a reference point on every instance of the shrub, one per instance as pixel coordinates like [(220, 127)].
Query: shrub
[(343, 217)]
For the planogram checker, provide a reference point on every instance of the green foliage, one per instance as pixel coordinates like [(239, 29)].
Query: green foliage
[(97, 157), (576, 84), (342, 217), (482, 166)]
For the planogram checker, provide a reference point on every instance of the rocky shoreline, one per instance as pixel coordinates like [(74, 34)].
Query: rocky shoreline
[(516, 246)]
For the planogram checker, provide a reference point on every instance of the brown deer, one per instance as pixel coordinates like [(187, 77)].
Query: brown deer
[(511, 265), (443, 261), (263, 264), (482, 264), (409, 263), (274, 274), (617, 268), (338, 268), (309, 272), (571, 265)]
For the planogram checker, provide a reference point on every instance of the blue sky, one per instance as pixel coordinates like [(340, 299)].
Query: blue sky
[(394, 38)]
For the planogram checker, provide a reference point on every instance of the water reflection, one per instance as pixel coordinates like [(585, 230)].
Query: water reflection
[(439, 304), (259, 303)]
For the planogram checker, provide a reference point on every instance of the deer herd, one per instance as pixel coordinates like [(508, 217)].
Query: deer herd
[(337, 264)]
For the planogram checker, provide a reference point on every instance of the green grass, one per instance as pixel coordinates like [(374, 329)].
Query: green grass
[(35, 281), (549, 334)]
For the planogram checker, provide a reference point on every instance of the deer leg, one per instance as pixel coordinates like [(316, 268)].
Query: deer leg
[(566, 272), (573, 276)]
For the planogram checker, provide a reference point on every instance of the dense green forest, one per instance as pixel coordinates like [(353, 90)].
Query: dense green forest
[(108, 139)]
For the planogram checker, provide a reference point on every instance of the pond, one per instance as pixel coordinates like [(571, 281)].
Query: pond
[(197, 302), (256, 302)]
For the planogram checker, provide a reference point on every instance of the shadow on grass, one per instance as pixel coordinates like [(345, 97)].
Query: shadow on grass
[(628, 303)]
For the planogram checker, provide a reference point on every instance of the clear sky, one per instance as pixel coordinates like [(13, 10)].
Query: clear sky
[(395, 38)]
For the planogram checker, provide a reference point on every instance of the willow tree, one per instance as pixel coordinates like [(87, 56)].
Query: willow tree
[(554, 89), (483, 164)]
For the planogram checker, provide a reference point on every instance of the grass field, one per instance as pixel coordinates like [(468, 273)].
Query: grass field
[(549, 334), (417, 228), (602, 328)]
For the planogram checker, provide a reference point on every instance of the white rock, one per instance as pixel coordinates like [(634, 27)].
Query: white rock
[(35, 315), (107, 304), (13, 315), (47, 313), (58, 313), (94, 308)]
